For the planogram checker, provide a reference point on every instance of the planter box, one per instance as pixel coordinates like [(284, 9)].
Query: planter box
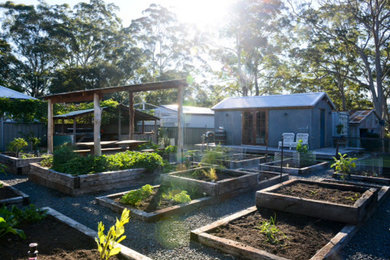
[(18, 165), (244, 161), (126, 252), (87, 183), (275, 166), (352, 214), (369, 179), (17, 198), (244, 181), (109, 202), (241, 250)]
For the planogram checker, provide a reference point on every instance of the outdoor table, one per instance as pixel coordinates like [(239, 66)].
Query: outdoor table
[(91, 145), (130, 143)]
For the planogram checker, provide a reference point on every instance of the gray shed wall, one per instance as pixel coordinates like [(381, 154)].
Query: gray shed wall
[(315, 133), (232, 122)]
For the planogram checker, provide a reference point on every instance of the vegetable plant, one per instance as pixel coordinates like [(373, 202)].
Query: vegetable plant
[(344, 164), (17, 145), (3, 169), (135, 197), (107, 244), (270, 230), (178, 196)]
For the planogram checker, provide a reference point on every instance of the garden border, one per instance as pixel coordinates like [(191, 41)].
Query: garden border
[(20, 198), (108, 201), (244, 163), (317, 208), (125, 251), (370, 179), (87, 183), (329, 251)]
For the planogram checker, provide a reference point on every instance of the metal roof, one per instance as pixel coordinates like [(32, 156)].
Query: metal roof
[(273, 101), (191, 110), (76, 113), (358, 116), (10, 93)]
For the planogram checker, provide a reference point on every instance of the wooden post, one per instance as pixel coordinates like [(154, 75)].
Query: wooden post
[(143, 126), (119, 122), (180, 133), (74, 126), (131, 115), (96, 124), (50, 126), (156, 132), (63, 126)]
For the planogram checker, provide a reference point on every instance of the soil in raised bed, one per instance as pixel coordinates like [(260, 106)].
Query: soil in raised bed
[(266, 176), (221, 175), (157, 202), (7, 193), (55, 239), (319, 192), (371, 174), (293, 164), (300, 237)]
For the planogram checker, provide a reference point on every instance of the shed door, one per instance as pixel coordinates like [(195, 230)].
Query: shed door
[(322, 127), (254, 127)]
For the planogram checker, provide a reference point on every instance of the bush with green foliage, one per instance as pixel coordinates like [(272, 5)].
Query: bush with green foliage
[(61, 156), (47, 160), (176, 195), (12, 218), (135, 197), (131, 159), (107, 244), (17, 145), (343, 164)]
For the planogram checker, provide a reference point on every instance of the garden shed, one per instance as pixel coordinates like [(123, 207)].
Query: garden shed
[(363, 124), (261, 120)]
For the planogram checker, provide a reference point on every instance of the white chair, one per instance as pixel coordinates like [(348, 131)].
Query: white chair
[(288, 140), (302, 136)]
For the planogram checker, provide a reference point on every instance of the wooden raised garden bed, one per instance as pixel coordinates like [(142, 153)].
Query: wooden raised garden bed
[(290, 167), (154, 208), (229, 182), (87, 183), (11, 195), (332, 201), (364, 177), (299, 237), (241, 160), (59, 237), (18, 165)]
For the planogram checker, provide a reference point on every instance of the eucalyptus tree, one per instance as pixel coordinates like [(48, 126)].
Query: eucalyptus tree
[(37, 35), (8, 62)]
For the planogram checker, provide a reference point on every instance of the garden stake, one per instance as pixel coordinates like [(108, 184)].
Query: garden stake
[(281, 160), (33, 252)]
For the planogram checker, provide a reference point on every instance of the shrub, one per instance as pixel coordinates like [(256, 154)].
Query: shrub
[(131, 159), (47, 160), (17, 145), (85, 165), (61, 156), (135, 197)]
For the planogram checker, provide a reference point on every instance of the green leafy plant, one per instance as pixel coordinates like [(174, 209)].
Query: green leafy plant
[(47, 160), (3, 169), (135, 197), (17, 145), (34, 141), (270, 230), (176, 195), (107, 244), (354, 198), (131, 159), (301, 148), (344, 164)]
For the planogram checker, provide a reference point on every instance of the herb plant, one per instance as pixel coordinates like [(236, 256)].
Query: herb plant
[(344, 164), (135, 197), (17, 145), (107, 244)]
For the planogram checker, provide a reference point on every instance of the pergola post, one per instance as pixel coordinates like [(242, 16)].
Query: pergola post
[(50, 126), (96, 124), (180, 132), (119, 122), (131, 115)]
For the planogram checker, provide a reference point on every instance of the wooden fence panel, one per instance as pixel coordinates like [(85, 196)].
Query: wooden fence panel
[(12, 130)]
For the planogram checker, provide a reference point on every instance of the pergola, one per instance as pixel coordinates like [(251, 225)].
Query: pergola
[(97, 94)]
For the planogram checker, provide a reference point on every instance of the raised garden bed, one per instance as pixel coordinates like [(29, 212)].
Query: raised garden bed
[(290, 167), (364, 177), (228, 183), (300, 237), (18, 165), (58, 237), (155, 207), (332, 201), (241, 160), (87, 183), (11, 195)]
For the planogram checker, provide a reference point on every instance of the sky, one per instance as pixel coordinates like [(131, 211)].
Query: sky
[(207, 14)]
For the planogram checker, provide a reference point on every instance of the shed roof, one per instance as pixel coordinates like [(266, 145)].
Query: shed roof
[(10, 93), (358, 116), (76, 113), (274, 101), (191, 109)]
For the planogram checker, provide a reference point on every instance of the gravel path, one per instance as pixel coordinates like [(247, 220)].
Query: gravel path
[(169, 239)]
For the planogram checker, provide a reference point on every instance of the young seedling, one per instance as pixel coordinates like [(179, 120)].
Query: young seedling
[(270, 230), (107, 244), (354, 198)]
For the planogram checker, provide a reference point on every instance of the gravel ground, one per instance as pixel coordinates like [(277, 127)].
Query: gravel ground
[(169, 239)]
